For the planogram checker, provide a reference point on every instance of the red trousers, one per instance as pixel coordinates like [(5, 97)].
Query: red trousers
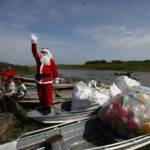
[(45, 94)]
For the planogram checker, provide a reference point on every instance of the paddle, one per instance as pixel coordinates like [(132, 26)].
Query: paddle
[(56, 141)]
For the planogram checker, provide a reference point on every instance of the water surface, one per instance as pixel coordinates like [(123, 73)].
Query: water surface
[(104, 75)]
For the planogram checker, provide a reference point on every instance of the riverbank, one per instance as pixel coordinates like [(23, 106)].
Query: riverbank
[(134, 66), (125, 66)]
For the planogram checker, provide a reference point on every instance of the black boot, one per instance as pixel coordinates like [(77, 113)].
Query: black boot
[(46, 111), (41, 109)]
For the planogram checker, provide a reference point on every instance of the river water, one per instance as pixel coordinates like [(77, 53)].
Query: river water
[(104, 76)]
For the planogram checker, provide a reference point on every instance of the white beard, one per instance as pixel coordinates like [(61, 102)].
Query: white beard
[(45, 59)]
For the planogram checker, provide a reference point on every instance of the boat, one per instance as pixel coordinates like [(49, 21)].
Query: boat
[(61, 113), (129, 74), (60, 86), (35, 100), (22, 107), (61, 96), (90, 134), (26, 79)]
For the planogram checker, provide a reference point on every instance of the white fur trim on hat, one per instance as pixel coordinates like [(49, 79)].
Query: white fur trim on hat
[(48, 52)]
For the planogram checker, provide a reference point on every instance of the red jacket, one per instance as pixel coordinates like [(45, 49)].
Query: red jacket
[(7, 74), (44, 69)]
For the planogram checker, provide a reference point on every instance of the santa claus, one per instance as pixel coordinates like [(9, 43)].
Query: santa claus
[(46, 71)]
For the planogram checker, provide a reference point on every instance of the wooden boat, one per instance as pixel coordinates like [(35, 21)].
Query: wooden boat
[(61, 96), (27, 79), (89, 134), (35, 100), (60, 86)]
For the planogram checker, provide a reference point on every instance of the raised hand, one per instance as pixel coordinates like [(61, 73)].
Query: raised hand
[(34, 38)]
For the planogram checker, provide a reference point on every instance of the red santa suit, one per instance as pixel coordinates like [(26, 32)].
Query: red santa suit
[(44, 77)]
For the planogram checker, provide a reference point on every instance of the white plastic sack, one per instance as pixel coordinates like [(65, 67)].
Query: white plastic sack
[(124, 82), (9, 146), (84, 96), (114, 90)]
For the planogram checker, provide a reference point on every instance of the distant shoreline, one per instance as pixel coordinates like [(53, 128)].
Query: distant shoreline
[(134, 66)]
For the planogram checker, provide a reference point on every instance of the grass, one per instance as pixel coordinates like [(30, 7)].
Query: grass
[(19, 125), (22, 125), (132, 66)]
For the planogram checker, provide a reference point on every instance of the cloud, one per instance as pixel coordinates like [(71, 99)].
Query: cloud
[(15, 47), (74, 32), (118, 36), (25, 15)]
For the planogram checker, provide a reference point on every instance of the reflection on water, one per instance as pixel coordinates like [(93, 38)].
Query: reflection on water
[(104, 76)]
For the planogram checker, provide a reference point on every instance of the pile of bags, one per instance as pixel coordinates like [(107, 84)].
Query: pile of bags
[(87, 95), (129, 112)]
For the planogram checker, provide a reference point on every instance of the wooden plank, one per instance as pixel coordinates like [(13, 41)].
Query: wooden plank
[(35, 101), (59, 86), (30, 83), (63, 85)]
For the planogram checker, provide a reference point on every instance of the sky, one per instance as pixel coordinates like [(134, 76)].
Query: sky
[(75, 31)]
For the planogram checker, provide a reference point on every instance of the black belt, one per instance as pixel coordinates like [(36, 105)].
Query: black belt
[(39, 76)]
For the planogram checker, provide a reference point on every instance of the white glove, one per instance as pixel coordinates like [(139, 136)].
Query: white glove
[(34, 38), (56, 81)]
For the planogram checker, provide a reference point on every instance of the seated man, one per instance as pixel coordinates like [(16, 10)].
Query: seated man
[(11, 89), (21, 91)]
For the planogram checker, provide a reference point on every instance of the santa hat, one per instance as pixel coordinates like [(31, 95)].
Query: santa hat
[(48, 52)]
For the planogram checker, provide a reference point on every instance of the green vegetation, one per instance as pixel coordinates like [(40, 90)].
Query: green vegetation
[(20, 69), (89, 65), (20, 123), (113, 65)]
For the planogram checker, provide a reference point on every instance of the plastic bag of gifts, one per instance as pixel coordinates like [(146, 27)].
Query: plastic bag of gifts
[(128, 113)]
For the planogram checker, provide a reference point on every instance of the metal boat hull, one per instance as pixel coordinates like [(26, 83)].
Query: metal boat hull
[(85, 135)]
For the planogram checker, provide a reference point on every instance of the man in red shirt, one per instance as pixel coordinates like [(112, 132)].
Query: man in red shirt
[(46, 69), (7, 74)]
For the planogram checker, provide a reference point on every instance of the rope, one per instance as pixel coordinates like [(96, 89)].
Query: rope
[(61, 109)]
